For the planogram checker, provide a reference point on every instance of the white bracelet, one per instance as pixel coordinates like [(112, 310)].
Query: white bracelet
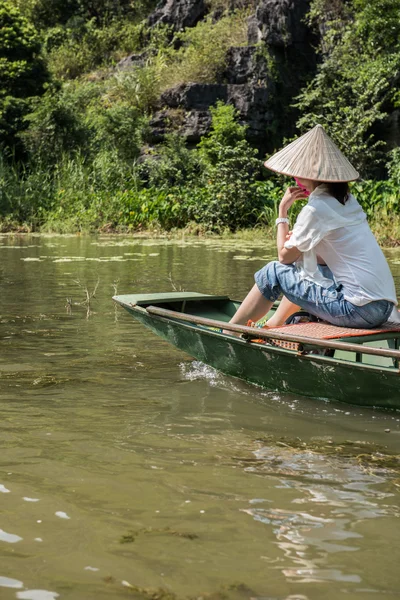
[(281, 220)]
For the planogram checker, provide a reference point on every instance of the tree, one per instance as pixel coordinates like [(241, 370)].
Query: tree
[(22, 72), (51, 13)]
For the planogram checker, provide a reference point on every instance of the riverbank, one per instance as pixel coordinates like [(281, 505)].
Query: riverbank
[(386, 229), (220, 186)]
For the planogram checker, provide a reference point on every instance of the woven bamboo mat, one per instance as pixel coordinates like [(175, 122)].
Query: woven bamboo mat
[(325, 331)]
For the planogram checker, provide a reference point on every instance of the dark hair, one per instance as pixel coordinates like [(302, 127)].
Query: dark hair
[(339, 190)]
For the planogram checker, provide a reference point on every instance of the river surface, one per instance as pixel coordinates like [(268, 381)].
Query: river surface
[(128, 470)]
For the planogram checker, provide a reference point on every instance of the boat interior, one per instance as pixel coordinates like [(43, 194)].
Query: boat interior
[(222, 308)]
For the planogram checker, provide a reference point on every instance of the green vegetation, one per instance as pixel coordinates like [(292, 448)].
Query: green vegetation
[(357, 85), (22, 73), (74, 130)]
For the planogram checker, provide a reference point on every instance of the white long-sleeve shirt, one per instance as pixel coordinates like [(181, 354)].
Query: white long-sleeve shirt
[(341, 236)]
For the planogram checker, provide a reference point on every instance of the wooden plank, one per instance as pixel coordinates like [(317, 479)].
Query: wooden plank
[(267, 334)]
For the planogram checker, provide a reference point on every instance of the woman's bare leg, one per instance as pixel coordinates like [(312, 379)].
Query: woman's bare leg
[(253, 307), (283, 312)]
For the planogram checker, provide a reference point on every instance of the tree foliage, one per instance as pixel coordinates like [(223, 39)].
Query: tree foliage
[(22, 72), (50, 13), (355, 88)]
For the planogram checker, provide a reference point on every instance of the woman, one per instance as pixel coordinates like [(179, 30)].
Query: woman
[(330, 264)]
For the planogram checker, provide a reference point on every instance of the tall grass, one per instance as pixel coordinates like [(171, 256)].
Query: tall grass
[(72, 193), (202, 55), (226, 5), (107, 194)]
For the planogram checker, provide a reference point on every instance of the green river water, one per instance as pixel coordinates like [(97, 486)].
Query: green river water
[(129, 471)]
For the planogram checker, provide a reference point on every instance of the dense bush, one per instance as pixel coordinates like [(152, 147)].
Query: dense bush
[(172, 165), (82, 118), (54, 128)]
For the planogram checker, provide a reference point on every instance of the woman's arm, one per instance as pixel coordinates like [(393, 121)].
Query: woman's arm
[(287, 255)]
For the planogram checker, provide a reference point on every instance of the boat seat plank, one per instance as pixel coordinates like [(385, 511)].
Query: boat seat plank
[(325, 331)]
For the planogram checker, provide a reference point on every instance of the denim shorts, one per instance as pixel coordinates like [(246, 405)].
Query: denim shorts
[(328, 304)]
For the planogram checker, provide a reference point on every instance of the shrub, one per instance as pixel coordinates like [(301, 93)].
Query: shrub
[(55, 127), (225, 131), (378, 198), (393, 167), (225, 196), (118, 126), (171, 165), (139, 87), (227, 5), (197, 54)]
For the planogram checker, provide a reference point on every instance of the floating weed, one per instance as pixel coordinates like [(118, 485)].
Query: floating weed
[(69, 259), (259, 258), (233, 591), (29, 259), (112, 259), (150, 593), (130, 537), (27, 379)]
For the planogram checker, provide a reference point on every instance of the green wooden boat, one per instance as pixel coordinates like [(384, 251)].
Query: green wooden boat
[(361, 369)]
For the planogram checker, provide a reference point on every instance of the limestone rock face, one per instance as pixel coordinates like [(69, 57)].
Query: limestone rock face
[(199, 96), (178, 13), (260, 79), (245, 65), (191, 124), (186, 108), (280, 23), (132, 61)]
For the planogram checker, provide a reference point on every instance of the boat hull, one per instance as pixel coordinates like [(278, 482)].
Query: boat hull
[(278, 369)]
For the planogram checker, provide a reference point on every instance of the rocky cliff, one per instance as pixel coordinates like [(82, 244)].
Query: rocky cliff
[(260, 79)]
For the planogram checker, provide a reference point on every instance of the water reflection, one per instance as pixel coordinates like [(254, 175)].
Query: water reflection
[(306, 539)]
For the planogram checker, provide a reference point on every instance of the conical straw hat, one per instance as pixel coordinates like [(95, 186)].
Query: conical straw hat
[(313, 156)]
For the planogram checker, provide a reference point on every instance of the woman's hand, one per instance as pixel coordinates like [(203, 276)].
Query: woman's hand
[(291, 195)]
